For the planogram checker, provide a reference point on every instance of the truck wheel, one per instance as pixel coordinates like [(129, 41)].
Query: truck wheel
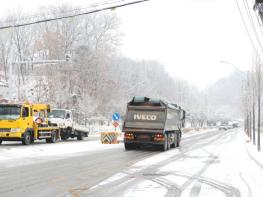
[(53, 138), (128, 146), (27, 139), (80, 136), (1, 141), (175, 141), (65, 133), (178, 139), (168, 142), (164, 146), (64, 137)]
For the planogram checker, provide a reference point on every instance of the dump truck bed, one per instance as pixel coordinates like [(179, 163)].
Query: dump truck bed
[(151, 118), (152, 122)]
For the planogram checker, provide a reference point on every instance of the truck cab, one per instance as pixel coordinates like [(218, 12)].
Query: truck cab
[(63, 118), (15, 120), (18, 122)]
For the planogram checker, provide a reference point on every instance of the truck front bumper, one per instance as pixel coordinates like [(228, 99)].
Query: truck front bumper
[(7, 135)]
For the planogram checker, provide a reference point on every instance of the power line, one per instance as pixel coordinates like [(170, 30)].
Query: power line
[(251, 40), (252, 22), (30, 17), (250, 16), (72, 15)]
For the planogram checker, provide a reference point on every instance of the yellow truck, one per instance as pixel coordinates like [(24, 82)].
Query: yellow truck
[(26, 122)]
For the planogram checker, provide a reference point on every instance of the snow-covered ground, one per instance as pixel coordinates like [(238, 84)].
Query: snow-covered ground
[(256, 156), (221, 165), (15, 154), (208, 163)]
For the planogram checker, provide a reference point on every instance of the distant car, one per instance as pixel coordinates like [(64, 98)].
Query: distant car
[(223, 127), (235, 125), (229, 126)]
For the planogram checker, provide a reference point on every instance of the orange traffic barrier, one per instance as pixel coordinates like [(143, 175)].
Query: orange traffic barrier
[(109, 137)]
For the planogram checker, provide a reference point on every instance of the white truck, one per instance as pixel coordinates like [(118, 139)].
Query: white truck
[(63, 119)]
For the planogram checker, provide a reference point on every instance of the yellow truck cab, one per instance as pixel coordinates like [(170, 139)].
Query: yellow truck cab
[(26, 122)]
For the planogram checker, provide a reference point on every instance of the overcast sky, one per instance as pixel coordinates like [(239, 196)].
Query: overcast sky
[(190, 37)]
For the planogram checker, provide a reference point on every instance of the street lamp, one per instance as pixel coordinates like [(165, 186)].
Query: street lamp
[(233, 65)]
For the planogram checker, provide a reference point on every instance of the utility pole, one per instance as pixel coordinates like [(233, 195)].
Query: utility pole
[(250, 124), (253, 107), (249, 121), (259, 94), (254, 121)]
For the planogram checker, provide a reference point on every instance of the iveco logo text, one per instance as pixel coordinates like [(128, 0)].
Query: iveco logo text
[(144, 117)]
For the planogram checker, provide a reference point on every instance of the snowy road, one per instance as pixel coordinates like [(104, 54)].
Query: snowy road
[(209, 163), (52, 169)]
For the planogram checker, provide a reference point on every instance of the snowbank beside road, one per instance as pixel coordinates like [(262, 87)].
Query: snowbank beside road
[(16, 154), (251, 149)]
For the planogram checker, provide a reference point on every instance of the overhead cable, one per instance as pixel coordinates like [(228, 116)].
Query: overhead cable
[(72, 15)]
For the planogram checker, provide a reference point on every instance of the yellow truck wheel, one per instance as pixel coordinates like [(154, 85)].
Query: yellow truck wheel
[(27, 139)]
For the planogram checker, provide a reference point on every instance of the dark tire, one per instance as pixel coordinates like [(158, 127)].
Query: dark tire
[(53, 138), (27, 139), (65, 133), (80, 136), (128, 146), (168, 143), (164, 146), (64, 138), (178, 136), (1, 141), (175, 141)]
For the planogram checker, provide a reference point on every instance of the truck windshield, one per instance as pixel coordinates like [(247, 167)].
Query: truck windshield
[(57, 114), (9, 112)]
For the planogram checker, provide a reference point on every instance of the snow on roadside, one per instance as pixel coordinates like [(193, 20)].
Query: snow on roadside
[(255, 155), (17, 154), (217, 169), (236, 168), (198, 131)]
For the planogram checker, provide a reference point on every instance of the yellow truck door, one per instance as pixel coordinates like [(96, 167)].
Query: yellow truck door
[(27, 119)]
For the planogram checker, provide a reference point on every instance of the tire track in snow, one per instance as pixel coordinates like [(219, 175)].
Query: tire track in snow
[(173, 189)]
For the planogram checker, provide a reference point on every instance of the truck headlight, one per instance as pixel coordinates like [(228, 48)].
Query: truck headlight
[(15, 130)]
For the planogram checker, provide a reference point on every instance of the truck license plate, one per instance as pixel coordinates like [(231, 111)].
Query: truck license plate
[(144, 137)]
